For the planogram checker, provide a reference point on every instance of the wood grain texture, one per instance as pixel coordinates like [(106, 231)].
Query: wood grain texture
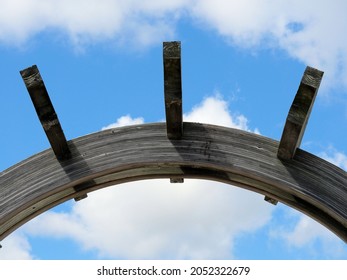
[(299, 113), (111, 157), (173, 89), (45, 111)]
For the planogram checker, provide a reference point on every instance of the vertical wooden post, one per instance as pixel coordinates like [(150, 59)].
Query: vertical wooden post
[(299, 113), (173, 89), (45, 111)]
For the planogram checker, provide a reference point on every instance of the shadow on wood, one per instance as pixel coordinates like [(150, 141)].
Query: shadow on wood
[(307, 183)]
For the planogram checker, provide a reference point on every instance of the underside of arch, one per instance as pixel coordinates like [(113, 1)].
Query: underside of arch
[(305, 182)]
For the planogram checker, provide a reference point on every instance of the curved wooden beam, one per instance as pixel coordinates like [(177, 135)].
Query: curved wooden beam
[(307, 183)]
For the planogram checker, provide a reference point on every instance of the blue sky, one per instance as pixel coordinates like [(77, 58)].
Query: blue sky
[(242, 62)]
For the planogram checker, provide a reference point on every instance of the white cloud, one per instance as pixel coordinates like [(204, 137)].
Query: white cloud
[(305, 231), (15, 247), (123, 121), (245, 22), (309, 31), (214, 110), (156, 219), (301, 232), (335, 157), (87, 21)]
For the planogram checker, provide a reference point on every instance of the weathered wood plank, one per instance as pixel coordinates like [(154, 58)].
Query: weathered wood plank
[(45, 111), (173, 89), (307, 183), (299, 113)]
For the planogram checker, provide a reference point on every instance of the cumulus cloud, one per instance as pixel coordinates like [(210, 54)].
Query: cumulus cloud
[(298, 231), (335, 157), (215, 110), (305, 231), (156, 219), (123, 121), (15, 247), (86, 21), (308, 31)]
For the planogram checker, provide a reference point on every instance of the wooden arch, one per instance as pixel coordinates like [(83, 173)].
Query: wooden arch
[(277, 169)]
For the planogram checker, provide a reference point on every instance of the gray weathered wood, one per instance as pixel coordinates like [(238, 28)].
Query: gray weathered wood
[(299, 113), (173, 89), (307, 183), (45, 111)]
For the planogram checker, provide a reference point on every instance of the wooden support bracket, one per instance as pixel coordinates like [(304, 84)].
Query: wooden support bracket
[(45, 111), (299, 113), (271, 200), (173, 89)]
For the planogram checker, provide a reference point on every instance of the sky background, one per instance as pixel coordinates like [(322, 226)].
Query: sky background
[(242, 62)]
